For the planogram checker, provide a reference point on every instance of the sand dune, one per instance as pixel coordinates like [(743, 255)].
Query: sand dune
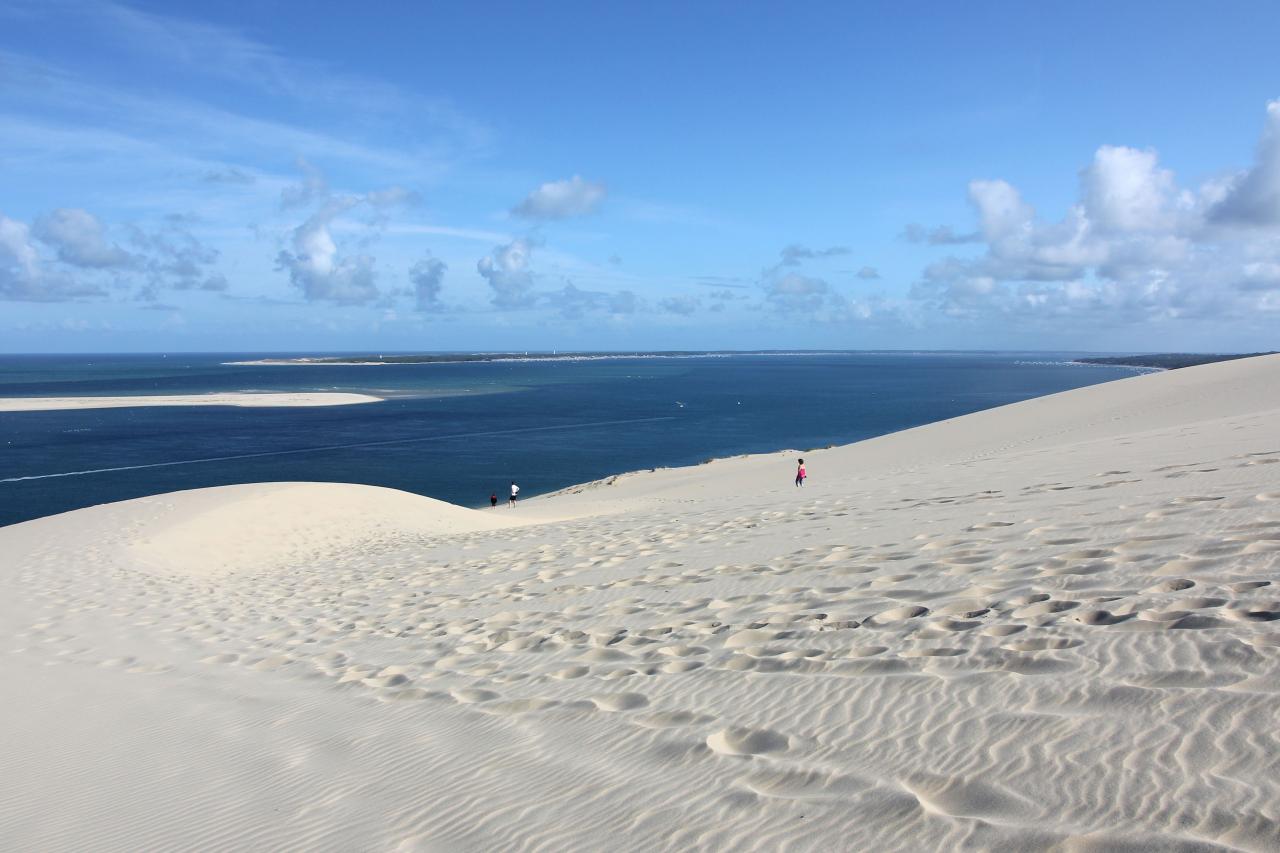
[(250, 399), (1054, 625)]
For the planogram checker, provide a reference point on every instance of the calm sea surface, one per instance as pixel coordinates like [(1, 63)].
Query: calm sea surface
[(461, 431)]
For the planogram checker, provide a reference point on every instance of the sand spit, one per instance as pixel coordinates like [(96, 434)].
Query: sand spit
[(251, 399), (1054, 625)]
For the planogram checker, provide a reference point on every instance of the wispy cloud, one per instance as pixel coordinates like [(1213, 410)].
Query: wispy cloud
[(478, 235), (942, 235), (192, 48), (52, 96), (792, 255), (682, 305), (796, 254), (229, 175), (666, 213)]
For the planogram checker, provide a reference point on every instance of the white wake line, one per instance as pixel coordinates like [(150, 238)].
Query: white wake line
[(333, 447)]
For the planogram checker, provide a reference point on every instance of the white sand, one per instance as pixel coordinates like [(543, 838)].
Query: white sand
[(253, 399), (1054, 625)]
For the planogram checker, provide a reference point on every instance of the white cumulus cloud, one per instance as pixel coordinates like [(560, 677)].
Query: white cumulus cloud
[(1124, 189), (427, 278), (506, 269), (317, 268), (1134, 248), (561, 200), (1253, 196), (79, 239)]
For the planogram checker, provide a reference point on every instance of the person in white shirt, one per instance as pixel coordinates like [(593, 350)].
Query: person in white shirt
[(515, 490)]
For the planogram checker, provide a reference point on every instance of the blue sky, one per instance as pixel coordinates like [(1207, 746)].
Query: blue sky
[(335, 176)]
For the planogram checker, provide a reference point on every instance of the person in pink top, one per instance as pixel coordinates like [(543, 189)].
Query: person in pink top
[(800, 474)]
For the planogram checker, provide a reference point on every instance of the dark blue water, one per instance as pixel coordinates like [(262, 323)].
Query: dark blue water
[(544, 424)]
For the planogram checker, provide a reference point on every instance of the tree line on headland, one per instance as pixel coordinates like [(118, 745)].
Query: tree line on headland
[(1168, 360)]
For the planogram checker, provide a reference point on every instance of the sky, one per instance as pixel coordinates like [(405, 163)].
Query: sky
[(328, 176)]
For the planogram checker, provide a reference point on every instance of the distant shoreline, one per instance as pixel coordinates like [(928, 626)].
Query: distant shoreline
[(484, 357)]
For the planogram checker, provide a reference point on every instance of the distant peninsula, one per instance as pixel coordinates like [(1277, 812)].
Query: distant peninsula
[(1167, 360), (459, 357)]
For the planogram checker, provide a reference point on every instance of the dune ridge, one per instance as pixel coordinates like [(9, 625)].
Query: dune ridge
[(1054, 625)]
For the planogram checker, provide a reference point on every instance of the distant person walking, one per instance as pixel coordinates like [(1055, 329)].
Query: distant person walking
[(800, 474), (515, 491), (493, 500)]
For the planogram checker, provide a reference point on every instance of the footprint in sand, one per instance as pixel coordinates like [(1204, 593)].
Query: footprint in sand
[(742, 741), (866, 651), (960, 797), (931, 653), (605, 656), (669, 719), (615, 702), (1099, 617), (1171, 585), (802, 784), (413, 694), (1250, 613), (964, 608), (223, 658), (519, 706), (890, 580), (678, 666), (1087, 554), (272, 662), (896, 615), (750, 637), (1040, 644), (1077, 569), (1047, 607), (956, 625), (473, 695)]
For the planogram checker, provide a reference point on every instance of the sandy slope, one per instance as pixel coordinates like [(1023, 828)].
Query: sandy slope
[(1053, 625), (256, 400)]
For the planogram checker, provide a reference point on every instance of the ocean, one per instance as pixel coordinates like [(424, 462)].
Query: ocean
[(461, 431)]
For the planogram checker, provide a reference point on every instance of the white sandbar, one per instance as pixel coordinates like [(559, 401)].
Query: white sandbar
[(247, 399)]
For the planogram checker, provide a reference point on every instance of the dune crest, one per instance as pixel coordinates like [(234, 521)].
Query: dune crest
[(267, 525)]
